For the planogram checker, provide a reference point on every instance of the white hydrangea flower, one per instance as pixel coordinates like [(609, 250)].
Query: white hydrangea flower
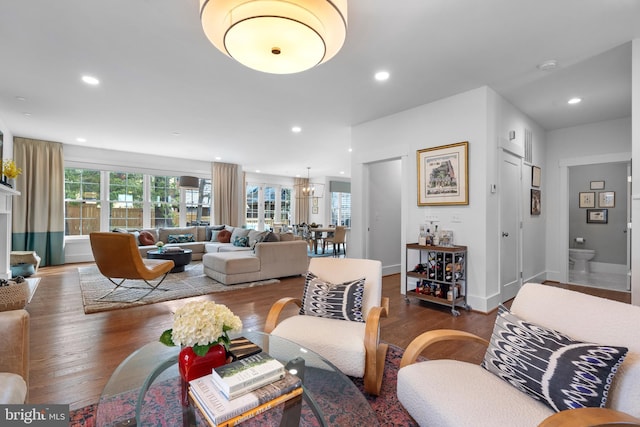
[(203, 323)]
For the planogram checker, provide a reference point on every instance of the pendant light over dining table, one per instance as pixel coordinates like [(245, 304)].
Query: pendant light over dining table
[(276, 36)]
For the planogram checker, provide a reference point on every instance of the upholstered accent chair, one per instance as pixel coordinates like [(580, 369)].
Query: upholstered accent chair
[(337, 240), (351, 344), (14, 356), (551, 352), (117, 257)]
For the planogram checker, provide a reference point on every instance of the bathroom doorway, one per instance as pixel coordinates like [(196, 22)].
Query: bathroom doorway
[(599, 241)]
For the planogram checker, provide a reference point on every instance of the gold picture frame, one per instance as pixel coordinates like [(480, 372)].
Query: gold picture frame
[(443, 175)]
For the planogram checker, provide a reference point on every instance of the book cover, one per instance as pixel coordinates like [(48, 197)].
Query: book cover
[(219, 409), (241, 347), (247, 374), (287, 398)]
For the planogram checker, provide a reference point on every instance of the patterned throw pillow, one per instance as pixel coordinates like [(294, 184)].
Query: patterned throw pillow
[(180, 238), (549, 366), (242, 242), (334, 301)]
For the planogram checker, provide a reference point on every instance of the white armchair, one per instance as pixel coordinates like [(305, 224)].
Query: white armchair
[(352, 346), (456, 393)]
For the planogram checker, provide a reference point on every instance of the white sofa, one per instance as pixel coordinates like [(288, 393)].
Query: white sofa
[(14, 356), (455, 393)]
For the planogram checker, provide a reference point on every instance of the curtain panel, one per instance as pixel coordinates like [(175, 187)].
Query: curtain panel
[(226, 193), (38, 213), (302, 202)]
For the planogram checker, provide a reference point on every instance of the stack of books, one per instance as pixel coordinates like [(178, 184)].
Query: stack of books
[(243, 389), (172, 249)]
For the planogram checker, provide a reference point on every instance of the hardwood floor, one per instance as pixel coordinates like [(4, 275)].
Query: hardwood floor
[(74, 354)]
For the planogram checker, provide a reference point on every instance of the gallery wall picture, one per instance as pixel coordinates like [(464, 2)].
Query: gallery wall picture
[(587, 199), (607, 199), (535, 176), (443, 175), (597, 216), (535, 202), (596, 185)]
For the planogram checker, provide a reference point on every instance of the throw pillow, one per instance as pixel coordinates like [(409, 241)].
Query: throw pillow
[(224, 236), (549, 366), (334, 301), (180, 238), (239, 232), (146, 238), (214, 236), (242, 242), (271, 237), (209, 229)]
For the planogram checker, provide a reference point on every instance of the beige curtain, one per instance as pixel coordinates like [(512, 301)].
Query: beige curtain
[(38, 213), (226, 193), (302, 202)]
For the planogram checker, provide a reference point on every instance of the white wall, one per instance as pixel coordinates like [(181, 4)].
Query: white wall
[(635, 143), (600, 142), (458, 118)]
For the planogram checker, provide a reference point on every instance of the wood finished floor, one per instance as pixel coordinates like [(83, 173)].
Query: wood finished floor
[(73, 354)]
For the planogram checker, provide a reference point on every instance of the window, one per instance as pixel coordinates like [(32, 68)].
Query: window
[(252, 206), (81, 201), (341, 209), (198, 203), (269, 206), (125, 200), (165, 201), (285, 205)]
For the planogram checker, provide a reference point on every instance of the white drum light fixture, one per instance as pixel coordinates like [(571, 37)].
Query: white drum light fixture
[(276, 36)]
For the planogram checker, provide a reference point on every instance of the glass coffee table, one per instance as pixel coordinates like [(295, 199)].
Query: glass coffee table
[(145, 390)]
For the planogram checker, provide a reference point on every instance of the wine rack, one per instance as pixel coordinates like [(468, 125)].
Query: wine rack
[(437, 274)]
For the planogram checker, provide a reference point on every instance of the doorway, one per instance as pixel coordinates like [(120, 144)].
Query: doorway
[(510, 220)]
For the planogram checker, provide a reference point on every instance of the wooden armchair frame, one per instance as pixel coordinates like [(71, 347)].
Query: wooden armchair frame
[(569, 418), (375, 351)]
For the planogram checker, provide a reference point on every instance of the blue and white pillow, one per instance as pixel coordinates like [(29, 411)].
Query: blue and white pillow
[(334, 301), (180, 238), (242, 242), (549, 366)]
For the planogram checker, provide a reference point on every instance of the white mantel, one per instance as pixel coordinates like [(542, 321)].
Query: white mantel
[(6, 195)]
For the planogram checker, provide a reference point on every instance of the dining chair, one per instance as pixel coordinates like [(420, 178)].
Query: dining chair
[(338, 239)]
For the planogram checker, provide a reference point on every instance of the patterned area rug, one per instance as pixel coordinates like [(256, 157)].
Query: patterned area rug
[(389, 411), (192, 282)]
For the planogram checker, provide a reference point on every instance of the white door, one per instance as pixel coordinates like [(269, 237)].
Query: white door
[(510, 202)]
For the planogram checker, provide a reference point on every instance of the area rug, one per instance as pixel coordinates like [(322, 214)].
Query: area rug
[(388, 410), (192, 282)]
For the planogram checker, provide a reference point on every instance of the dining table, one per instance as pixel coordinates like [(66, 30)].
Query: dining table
[(317, 234)]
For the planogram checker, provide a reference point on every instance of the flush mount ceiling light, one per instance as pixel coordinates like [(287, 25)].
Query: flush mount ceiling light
[(276, 36)]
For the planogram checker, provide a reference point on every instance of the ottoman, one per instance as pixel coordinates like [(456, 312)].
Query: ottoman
[(24, 257), (231, 268)]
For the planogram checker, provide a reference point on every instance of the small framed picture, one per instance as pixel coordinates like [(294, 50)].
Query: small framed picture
[(607, 199), (535, 176), (597, 185), (314, 210), (587, 200), (597, 216), (315, 201), (535, 202)]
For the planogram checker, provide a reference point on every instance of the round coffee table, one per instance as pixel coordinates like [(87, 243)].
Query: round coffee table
[(180, 259), (145, 388)]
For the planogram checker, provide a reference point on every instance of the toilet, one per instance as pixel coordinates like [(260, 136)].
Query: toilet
[(581, 258)]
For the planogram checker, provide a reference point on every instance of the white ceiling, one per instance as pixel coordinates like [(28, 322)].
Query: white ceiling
[(159, 75)]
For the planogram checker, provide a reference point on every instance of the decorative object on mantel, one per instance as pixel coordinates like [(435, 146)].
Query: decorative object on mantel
[(9, 170), (14, 293), (201, 328)]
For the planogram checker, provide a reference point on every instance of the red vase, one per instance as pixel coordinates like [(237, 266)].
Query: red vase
[(192, 366)]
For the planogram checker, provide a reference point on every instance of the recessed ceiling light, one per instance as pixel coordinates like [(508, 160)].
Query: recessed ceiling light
[(21, 98), (175, 133), (574, 101), (218, 158), (350, 149), (90, 80), (382, 76), (549, 65), (80, 139), (257, 170), (296, 129), (341, 172), (26, 114)]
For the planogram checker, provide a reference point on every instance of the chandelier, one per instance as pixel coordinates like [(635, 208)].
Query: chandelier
[(309, 189), (276, 36)]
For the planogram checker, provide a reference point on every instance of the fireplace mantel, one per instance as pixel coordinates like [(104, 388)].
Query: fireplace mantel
[(6, 194)]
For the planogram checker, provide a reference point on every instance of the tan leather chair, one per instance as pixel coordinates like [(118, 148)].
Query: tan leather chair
[(14, 356), (117, 256)]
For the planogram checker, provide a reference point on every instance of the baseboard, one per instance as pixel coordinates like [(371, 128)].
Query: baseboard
[(604, 267)]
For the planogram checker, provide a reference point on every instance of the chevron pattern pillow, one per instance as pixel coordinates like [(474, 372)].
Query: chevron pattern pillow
[(334, 301)]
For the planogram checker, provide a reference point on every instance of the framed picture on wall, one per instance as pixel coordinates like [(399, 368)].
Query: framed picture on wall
[(607, 199), (314, 210), (443, 175), (535, 176), (596, 185), (535, 202), (597, 216), (587, 200)]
